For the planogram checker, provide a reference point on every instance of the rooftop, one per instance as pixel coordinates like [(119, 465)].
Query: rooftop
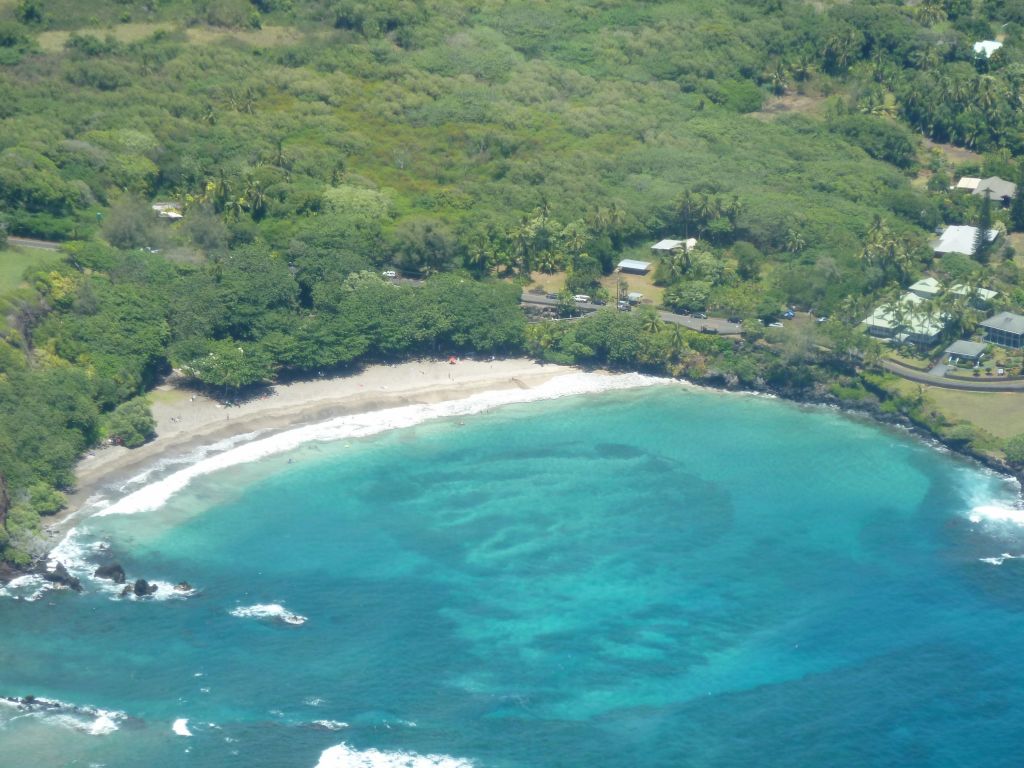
[(962, 348), (996, 188), (914, 321), (668, 245), (1007, 322), (987, 47), (960, 239), (968, 182), (927, 285), (634, 265), (979, 293)]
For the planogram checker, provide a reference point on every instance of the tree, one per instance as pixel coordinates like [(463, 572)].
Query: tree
[(129, 223), (131, 424), (1014, 450), (229, 364), (795, 241), (981, 241), (1017, 208)]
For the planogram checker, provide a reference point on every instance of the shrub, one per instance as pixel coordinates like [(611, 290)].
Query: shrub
[(1014, 450), (131, 423)]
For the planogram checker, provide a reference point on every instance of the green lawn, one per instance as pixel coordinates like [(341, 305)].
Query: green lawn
[(14, 262), (1000, 413)]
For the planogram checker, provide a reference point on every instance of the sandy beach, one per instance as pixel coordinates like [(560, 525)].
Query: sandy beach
[(186, 419)]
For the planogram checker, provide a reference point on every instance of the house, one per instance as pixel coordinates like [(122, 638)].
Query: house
[(909, 321), (968, 183), (967, 351), (999, 190), (928, 288), (986, 48), (976, 297), (960, 239), (665, 247), (1005, 329), (634, 267)]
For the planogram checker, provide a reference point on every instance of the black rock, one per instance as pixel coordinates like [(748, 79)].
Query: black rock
[(183, 587), (113, 571), (60, 576), (143, 588)]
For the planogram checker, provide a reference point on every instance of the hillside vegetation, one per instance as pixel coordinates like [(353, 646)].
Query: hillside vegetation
[(312, 144)]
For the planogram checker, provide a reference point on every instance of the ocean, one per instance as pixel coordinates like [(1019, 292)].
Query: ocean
[(619, 573)]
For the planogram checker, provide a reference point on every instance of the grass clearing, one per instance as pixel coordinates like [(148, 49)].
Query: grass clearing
[(267, 36), (1001, 413), (14, 262), (53, 41)]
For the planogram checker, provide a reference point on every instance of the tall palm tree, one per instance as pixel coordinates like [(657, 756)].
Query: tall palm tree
[(678, 344), (795, 241)]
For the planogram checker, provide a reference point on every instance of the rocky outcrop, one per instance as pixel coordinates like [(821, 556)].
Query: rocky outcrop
[(114, 572), (59, 575), (143, 588)]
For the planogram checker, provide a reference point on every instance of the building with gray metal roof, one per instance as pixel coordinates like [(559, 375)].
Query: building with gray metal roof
[(1005, 329)]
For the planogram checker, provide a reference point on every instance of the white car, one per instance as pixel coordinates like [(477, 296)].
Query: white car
[(581, 298), (389, 273)]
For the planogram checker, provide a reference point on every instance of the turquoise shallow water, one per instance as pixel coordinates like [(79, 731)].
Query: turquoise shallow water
[(655, 577)]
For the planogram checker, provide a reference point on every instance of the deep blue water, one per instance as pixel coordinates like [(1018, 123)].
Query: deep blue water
[(653, 578)]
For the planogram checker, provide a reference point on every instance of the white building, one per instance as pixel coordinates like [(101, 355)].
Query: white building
[(986, 48), (960, 239), (665, 247), (908, 321)]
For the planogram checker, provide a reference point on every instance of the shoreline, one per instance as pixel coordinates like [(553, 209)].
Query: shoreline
[(187, 420)]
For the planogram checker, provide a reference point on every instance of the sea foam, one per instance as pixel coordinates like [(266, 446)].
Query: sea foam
[(90, 720), (268, 611), (359, 425), (344, 756)]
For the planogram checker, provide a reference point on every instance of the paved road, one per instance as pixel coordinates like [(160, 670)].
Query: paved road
[(28, 242), (982, 385), (720, 325)]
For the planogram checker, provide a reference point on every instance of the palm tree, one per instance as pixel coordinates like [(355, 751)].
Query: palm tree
[(678, 344), (795, 241), (255, 199), (685, 210), (678, 262), (652, 323)]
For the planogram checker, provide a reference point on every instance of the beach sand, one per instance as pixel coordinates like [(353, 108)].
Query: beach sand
[(186, 419)]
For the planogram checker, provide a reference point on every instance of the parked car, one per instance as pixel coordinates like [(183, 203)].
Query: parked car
[(581, 298), (789, 314), (624, 306), (735, 319), (708, 329), (389, 273), (822, 319), (700, 315), (598, 302), (776, 324), (552, 296)]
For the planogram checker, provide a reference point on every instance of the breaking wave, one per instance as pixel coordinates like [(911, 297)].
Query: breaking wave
[(344, 756), (271, 611), (359, 425)]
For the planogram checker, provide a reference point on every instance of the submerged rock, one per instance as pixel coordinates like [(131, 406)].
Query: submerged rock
[(183, 586), (59, 575), (113, 571)]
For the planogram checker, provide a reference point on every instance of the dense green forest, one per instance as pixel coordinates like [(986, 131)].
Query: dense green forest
[(311, 144)]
